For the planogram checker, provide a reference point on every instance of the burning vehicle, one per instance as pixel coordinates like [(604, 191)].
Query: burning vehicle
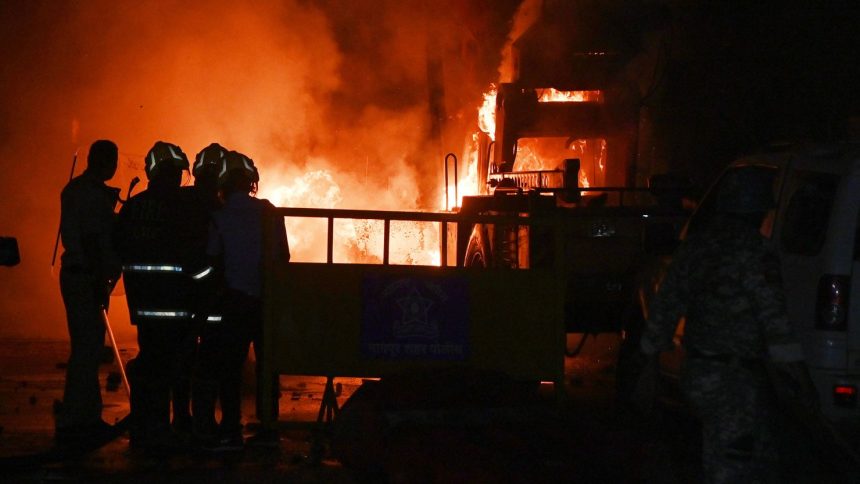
[(562, 140)]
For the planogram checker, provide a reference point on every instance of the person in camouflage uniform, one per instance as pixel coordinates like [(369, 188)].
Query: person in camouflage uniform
[(725, 281)]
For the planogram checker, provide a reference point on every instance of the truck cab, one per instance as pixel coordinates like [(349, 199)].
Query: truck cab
[(569, 156)]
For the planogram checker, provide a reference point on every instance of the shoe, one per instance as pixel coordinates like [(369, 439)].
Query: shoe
[(265, 438), (159, 439), (182, 424), (90, 436), (226, 443)]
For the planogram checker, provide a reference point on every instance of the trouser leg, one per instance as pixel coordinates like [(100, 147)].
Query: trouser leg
[(155, 366), (275, 380), (235, 352), (181, 381), (205, 384), (729, 402), (82, 401)]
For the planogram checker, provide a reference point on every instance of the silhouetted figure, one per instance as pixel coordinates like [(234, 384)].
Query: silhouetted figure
[(725, 279), (157, 239), (90, 267), (236, 246)]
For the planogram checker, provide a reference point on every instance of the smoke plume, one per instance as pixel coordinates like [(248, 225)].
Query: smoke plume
[(332, 99)]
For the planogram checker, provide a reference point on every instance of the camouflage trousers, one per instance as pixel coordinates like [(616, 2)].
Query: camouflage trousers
[(731, 401)]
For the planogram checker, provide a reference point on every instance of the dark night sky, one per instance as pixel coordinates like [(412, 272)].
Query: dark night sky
[(762, 72)]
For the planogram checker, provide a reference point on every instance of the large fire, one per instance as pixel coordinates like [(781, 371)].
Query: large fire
[(545, 153), (412, 243), (355, 240)]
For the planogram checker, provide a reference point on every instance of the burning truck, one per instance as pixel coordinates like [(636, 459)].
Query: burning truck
[(563, 140), (552, 241)]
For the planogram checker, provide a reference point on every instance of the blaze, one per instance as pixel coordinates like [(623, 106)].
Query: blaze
[(555, 96), (535, 154), (487, 113), (355, 240)]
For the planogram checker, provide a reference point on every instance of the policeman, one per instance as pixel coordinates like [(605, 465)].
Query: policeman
[(235, 242), (90, 266), (725, 280), (157, 238)]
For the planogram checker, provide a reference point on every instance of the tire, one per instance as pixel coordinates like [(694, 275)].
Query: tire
[(477, 251)]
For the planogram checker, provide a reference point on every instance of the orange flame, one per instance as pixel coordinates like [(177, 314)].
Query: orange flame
[(354, 240), (487, 113), (555, 96)]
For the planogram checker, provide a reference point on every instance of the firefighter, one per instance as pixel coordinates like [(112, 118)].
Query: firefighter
[(207, 311), (158, 233), (204, 194), (235, 246), (205, 171), (90, 267), (725, 279)]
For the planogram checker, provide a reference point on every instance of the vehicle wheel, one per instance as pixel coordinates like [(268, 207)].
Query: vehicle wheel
[(476, 250)]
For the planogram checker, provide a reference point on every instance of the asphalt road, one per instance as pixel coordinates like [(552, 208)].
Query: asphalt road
[(430, 429)]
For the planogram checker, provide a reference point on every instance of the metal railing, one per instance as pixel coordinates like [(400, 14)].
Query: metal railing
[(387, 216)]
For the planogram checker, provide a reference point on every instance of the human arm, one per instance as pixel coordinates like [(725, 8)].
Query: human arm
[(668, 305)]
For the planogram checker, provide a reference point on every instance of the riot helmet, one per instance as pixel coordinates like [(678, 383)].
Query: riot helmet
[(746, 190)]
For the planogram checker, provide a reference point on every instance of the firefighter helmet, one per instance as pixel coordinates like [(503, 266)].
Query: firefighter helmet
[(162, 152), (208, 158), (746, 189), (235, 162)]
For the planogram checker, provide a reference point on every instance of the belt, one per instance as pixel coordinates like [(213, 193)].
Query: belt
[(727, 359)]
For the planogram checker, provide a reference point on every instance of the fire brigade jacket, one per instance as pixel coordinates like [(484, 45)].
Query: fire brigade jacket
[(86, 226), (161, 233)]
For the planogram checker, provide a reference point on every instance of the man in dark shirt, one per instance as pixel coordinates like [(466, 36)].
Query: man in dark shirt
[(90, 266)]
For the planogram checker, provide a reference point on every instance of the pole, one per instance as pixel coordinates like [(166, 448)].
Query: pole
[(116, 352), (57, 242)]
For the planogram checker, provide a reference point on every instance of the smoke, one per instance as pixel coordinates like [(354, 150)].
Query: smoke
[(527, 14), (330, 97)]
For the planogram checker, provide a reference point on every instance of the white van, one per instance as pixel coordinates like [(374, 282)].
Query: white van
[(816, 227)]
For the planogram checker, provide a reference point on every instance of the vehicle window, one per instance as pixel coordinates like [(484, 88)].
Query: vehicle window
[(808, 212), (708, 207)]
